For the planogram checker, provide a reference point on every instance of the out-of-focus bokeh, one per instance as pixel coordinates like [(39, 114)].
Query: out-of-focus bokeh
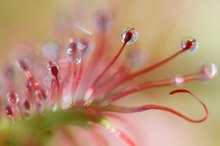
[(161, 25)]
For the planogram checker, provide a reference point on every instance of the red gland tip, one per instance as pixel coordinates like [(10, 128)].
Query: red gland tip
[(12, 97), (27, 105), (9, 111), (189, 45), (128, 37)]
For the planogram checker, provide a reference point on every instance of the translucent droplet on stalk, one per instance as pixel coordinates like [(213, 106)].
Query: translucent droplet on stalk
[(129, 35), (179, 80), (189, 45), (12, 97), (53, 70), (75, 51), (209, 71)]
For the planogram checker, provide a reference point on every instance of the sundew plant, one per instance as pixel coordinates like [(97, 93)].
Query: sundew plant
[(76, 83)]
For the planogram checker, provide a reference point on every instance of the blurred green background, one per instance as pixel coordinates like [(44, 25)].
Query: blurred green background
[(161, 25)]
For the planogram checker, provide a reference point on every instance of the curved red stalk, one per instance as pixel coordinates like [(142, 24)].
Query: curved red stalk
[(138, 73), (107, 83), (147, 69), (147, 85), (91, 88), (119, 109)]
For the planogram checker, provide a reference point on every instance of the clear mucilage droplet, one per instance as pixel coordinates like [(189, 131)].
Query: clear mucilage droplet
[(129, 35), (75, 51), (189, 44), (53, 70), (178, 80), (12, 97), (209, 71)]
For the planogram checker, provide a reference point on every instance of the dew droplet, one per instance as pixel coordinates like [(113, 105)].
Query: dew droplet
[(75, 51), (178, 80), (129, 35), (53, 69), (9, 111), (189, 45), (209, 71), (12, 97)]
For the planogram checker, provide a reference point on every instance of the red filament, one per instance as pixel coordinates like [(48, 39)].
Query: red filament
[(119, 109), (90, 90)]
